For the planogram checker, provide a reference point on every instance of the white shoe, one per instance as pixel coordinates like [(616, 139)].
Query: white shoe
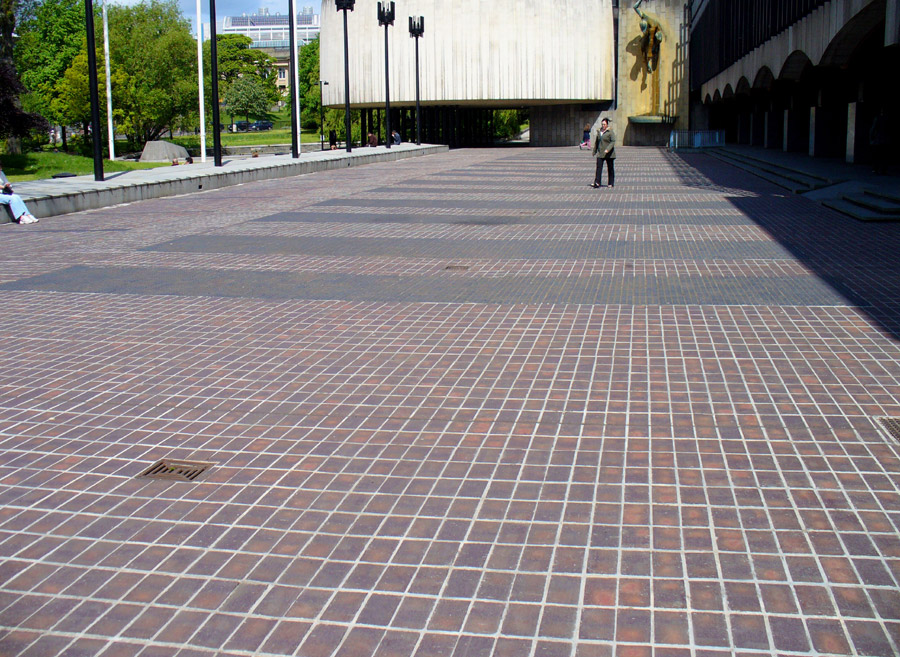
[(28, 219)]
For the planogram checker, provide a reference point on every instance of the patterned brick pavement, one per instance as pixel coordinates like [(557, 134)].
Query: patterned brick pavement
[(459, 405)]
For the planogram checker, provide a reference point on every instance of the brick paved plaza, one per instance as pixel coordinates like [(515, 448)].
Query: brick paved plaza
[(456, 405)]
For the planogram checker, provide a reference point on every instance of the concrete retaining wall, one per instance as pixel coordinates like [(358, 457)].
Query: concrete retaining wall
[(175, 181)]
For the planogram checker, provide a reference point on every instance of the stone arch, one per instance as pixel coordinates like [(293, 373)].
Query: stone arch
[(728, 93), (707, 100), (795, 66), (717, 97), (857, 31), (743, 87), (764, 79)]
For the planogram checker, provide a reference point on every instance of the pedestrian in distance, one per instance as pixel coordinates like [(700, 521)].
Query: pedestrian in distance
[(373, 140), (603, 147), (585, 137)]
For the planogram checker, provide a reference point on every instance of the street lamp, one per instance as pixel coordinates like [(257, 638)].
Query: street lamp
[(345, 5), (322, 114), (295, 87), (386, 18), (416, 30), (95, 96), (214, 83)]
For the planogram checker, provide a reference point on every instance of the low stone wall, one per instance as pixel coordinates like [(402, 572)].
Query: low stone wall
[(185, 180)]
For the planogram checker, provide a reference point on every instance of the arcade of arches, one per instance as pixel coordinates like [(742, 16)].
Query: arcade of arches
[(824, 108)]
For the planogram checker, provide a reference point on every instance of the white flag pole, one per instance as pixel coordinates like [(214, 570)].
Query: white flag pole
[(109, 117), (200, 78)]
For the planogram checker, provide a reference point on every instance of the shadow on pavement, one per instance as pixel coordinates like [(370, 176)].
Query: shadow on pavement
[(859, 260)]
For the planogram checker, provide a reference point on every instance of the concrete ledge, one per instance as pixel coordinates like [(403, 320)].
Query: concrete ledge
[(48, 198)]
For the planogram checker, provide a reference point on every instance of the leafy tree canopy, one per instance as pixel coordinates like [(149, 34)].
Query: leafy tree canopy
[(49, 40), (14, 122), (237, 60), (247, 96), (153, 59)]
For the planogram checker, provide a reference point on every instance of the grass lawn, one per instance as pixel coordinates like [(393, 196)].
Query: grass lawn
[(41, 165), (264, 138)]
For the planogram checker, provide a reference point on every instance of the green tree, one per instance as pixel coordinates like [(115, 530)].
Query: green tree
[(50, 36), (72, 97), (308, 83), (153, 58), (15, 123), (507, 123), (247, 96), (8, 10), (238, 60)]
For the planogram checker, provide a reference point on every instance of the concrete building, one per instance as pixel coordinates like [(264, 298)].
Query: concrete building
[(554, 57), (800, 75), (797, 75), (271, 34)]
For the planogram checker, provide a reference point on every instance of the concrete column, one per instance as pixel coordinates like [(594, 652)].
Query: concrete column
[(851, 133), (812, 131), (786, 118), (892, 23)]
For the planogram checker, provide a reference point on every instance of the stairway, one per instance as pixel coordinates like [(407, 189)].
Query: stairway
[(868, 206), (793, 180)]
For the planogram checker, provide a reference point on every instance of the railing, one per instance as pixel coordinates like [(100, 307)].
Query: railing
[(679, 139)]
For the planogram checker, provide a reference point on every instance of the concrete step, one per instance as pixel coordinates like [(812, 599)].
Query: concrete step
[(821, 181), (793, 183), (892, 198), (875, 202), (857, 211)]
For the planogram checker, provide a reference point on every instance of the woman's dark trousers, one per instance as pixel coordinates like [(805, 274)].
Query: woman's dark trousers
[(610, 171)]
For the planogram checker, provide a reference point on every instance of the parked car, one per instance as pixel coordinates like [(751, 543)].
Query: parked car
[(261, 125), (241, 126)]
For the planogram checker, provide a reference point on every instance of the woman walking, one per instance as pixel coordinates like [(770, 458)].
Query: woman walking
[(603, 146)]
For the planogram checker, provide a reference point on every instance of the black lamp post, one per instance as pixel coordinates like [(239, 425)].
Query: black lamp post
[(295, 93), (416, 30), (386, 18), (345, 5), (95, 96), (322, 83), (214, 81)]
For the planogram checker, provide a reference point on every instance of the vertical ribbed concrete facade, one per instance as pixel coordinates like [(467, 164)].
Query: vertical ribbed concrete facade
[(489, 54)]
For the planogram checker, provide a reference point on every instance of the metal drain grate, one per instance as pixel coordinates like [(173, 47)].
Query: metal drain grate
[(176, 470), (456, 268), (892, 426)]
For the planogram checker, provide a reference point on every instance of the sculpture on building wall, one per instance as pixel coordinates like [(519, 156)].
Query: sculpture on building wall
[(651, 36)]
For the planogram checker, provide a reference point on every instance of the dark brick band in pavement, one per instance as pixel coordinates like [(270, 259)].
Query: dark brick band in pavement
[(788, 291), (460, 406), (454, 249)]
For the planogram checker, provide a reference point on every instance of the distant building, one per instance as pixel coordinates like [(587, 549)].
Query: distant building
[(272, 33)]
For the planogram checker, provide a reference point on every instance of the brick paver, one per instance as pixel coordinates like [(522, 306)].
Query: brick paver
[(459, 405)]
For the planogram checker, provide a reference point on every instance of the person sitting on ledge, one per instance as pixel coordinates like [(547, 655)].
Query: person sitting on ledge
[(14, 202)]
